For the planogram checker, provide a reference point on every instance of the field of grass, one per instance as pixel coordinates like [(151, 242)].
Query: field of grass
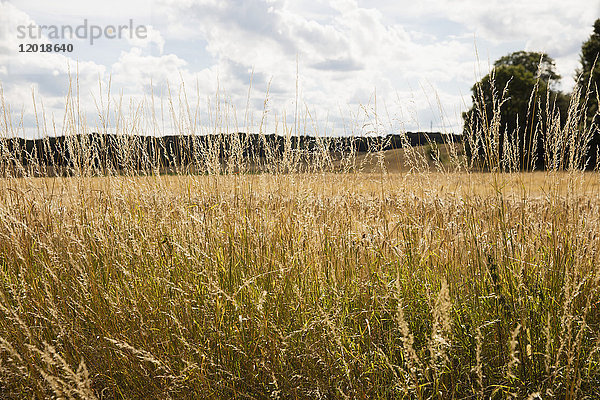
[(366, 285), (416, 273)]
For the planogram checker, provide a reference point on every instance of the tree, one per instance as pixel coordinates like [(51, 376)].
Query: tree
[(504, 128), (539, 64), (589, 82)]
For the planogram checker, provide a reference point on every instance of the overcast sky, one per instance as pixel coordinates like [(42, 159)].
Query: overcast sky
[(416, 60)]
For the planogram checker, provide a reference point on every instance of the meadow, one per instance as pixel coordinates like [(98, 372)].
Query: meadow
[(310, 278)]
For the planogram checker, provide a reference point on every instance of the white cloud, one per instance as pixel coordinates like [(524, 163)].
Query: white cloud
[(553, 26), (44, 75), (134, 70), (345, 50), (151, 36)]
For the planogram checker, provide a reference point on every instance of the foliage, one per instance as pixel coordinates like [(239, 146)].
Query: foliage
[(512, 106), (589, 79), (539, 64)]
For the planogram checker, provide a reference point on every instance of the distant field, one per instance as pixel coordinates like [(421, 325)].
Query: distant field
[(320, 285), (433, 158)]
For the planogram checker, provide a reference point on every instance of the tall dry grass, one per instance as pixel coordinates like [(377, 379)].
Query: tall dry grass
[(296, 275)]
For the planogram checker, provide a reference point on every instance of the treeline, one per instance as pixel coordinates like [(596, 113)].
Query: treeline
[(65, 155), (521, 121)]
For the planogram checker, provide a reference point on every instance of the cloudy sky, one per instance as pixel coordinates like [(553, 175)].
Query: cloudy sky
[(327, 67)]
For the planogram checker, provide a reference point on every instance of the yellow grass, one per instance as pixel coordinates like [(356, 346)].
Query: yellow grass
[(300, 285), (397, 274)]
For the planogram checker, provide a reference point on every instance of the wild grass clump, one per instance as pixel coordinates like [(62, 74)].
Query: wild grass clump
[(295, 274)]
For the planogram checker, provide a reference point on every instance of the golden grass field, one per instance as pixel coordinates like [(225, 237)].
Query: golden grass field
[(364, 285), (434, 272)]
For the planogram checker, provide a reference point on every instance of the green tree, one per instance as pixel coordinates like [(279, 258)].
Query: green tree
[(539, 64), (589, 80), (505, 126)]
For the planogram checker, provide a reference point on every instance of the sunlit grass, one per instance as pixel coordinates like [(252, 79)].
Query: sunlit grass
[(409, 273), (300, 286)]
